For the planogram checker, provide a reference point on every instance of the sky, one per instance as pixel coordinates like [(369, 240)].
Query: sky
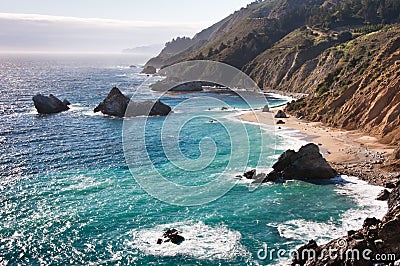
[(104, 26)]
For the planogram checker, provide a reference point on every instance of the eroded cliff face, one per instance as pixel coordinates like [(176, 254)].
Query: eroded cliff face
[(355, 85)]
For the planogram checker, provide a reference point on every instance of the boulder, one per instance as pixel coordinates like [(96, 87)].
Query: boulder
[(49, 104), (149, 70), (280, 122), (171, 235), (266, 108), (384, 195), (281, 114), (307, 163), (250, 174), (116, 104)]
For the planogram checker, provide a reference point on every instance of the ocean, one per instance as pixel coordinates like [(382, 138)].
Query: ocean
[(70, 193)]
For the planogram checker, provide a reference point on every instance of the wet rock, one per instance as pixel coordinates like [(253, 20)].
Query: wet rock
[(116, 104), (280, 122), (307, 163), (390, 185), (384, 195), (172, 235), (49, 104), (250, 174), (260, 178)]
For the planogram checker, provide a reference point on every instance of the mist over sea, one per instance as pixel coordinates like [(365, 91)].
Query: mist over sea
[(67, 195)]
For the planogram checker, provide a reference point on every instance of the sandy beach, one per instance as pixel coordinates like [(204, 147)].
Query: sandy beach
[(351, 152)]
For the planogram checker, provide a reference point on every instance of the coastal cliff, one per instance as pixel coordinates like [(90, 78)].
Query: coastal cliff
[(343, 54)]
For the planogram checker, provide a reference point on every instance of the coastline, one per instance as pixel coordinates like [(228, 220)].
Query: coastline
[(351, 153)]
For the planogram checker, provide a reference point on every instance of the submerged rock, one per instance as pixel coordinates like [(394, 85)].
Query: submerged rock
[(307, 163), (49, 104), (116, 104), (149, 70)]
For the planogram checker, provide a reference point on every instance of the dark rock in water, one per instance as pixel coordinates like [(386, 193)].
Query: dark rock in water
[(177, 239), (176, 85), (159, 241), (280, 122), (384, 195), (390, 185), (49, 104), (266, 108), (273, 176), (307, 163), (281, 114), (250, 174), (173, 236), (116, 104), (376, 237), (149, 70)]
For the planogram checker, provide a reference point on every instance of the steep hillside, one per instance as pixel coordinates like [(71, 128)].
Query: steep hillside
[(247, 33), (291, 60), (345, 54), (355, 85), (240, 37)]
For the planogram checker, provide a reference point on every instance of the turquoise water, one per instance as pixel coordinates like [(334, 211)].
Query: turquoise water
[(67, 195)]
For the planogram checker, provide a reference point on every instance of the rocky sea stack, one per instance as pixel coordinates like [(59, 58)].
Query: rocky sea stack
[(116, 104), (306, 164), (49, 104)]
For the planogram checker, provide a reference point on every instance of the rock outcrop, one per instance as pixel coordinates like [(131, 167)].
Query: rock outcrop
[(171, 235), (384, 195), (307, 163), (116, 104), (49, 104), (375, 237), (250, 174), (149, 70)]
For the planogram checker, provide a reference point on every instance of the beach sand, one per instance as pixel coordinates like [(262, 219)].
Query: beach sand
[(351, 152)]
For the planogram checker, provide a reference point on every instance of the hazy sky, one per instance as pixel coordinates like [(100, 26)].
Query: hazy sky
[(104, 25)]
